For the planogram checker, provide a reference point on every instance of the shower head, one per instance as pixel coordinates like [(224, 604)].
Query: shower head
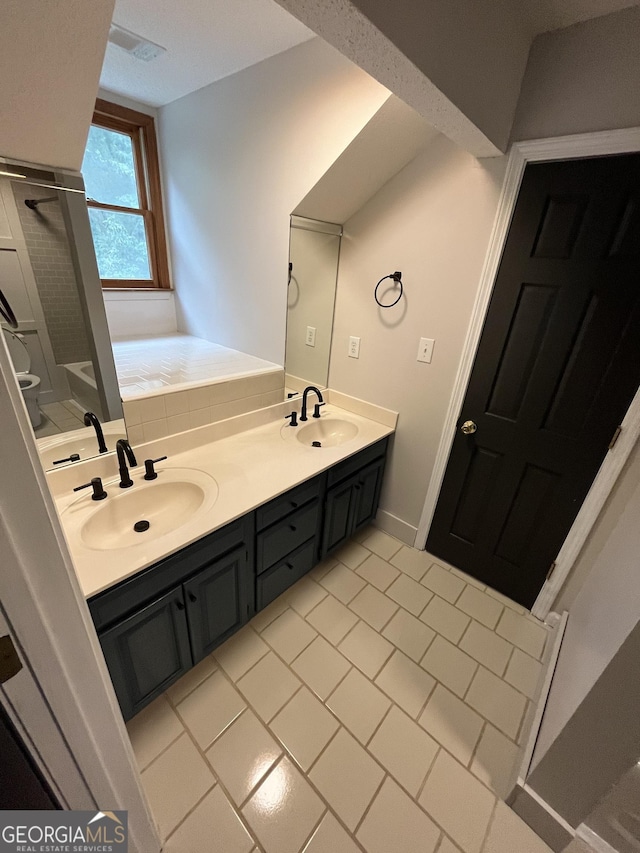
[(32, 203)]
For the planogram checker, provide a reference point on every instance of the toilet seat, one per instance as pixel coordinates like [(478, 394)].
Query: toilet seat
[(18, 351), (29, 382)]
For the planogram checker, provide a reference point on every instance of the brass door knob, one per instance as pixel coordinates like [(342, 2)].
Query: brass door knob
[(468, 427)]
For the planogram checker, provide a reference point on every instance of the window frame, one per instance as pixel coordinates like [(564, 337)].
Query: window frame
[(140, 127)]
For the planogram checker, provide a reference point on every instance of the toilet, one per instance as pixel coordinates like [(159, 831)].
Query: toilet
[(29, 384)]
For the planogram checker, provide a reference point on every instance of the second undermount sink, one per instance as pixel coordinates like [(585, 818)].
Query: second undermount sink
[(329, 431), (147, 510)]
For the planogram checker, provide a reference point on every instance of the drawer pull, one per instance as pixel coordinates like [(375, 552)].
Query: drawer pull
[(179, 605), (292, 528), (192, 597), (293, 504), (289, 566)]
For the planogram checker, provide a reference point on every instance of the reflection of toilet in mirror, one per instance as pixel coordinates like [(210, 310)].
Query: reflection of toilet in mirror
[(29, 383)]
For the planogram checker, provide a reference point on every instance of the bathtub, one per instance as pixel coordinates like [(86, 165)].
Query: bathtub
[(81, 377)]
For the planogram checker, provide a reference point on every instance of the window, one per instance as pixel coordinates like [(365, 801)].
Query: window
[(122, 180)]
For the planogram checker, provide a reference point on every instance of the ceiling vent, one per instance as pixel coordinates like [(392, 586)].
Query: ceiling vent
[(134, 45)]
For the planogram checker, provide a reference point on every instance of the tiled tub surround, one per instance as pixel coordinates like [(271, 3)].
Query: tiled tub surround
[(379, 705)]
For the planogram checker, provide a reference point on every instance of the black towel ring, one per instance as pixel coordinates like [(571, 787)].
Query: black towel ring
[(397, 277)]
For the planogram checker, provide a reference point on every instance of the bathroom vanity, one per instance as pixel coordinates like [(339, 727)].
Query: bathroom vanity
[(160, 609)]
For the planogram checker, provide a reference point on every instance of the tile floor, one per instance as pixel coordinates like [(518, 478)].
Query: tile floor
[(59, 417), (377, 706)]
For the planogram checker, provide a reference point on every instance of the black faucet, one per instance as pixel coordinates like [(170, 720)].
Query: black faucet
[(123, 449), (91, 420), (316, 412)]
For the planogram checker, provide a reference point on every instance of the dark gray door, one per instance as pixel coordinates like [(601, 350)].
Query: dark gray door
[(556, 369)]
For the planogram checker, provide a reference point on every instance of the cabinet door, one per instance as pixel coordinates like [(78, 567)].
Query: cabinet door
[(218, 602), (366, 494), (337, 516), (148, 651)]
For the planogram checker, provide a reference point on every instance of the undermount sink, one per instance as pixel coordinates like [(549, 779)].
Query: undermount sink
[(330, 432), (146, 510)]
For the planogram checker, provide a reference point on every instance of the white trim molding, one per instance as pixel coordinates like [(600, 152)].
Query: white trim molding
[(560, 148)]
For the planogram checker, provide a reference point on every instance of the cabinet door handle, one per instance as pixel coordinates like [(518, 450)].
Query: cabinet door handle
[(357, 487), (192, 597), (180, 605), (292, 528), (293, 504), (289, 566)]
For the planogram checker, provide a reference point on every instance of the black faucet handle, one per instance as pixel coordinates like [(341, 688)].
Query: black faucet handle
[(99, 493), (150, 472), (75, 457), (292, 418), (316, 409)]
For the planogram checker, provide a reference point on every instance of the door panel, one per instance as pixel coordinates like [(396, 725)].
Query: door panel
[(557, 366)]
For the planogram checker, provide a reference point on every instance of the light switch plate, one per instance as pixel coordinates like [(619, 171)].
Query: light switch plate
[(311, 336), (354, 347), (425, 350)]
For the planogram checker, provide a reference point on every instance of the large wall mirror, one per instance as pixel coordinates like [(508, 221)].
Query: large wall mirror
[(54, 323), (314, 252)]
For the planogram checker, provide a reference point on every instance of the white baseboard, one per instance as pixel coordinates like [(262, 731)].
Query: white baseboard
[(395, 526)]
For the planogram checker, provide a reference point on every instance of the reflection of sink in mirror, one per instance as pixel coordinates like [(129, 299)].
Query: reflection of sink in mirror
[(329, 431), (82, 441), (178, 497)]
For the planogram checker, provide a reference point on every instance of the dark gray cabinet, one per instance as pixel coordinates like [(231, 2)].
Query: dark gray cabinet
[(156, 625), (148, 651), (352, 497)]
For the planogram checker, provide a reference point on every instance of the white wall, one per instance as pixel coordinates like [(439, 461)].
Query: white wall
[(239, 155), (139, 313), (605, 609), (432, 222), (583, 78), (50, 59)]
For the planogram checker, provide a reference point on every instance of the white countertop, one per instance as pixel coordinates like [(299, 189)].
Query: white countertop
[(250, 468)]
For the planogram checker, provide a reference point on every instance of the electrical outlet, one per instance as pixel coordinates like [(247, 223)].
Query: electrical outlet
[(354, 347), (425, 349), (311, 336)]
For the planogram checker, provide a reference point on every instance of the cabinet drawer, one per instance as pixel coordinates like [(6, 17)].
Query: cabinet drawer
[(280, 539), (354, 463), (289, 502), (274, 581), (120, 600)]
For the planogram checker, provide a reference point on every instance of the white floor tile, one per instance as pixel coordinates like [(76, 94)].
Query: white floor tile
[(305, 595), (243, 755), (497, 701), (321, 667), (496, 761), (351, 554), (191, 680), (523, 673), (404, 749), (443, 583), (305, 727), (449, 665), (412, 562), (382, 544), (458, 802), (374, 607), (347, 777), (452, 723), (332, 619), (378, 572), (330, 837), (523, 632), (486, 647), (284, 810), (342, 583), (480, 606), (409, 594), (213, 818), (407, 684), (268, 686), (395, 823), (210, 708), (266, 616), (365, 648), (175, 782), (409, 634), (240, 652), (445, 619), (359, 705), (288, 635), (509, 833), (152, 730)]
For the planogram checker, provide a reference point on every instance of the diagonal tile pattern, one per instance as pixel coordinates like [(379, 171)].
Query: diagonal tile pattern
[(376, 706)]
